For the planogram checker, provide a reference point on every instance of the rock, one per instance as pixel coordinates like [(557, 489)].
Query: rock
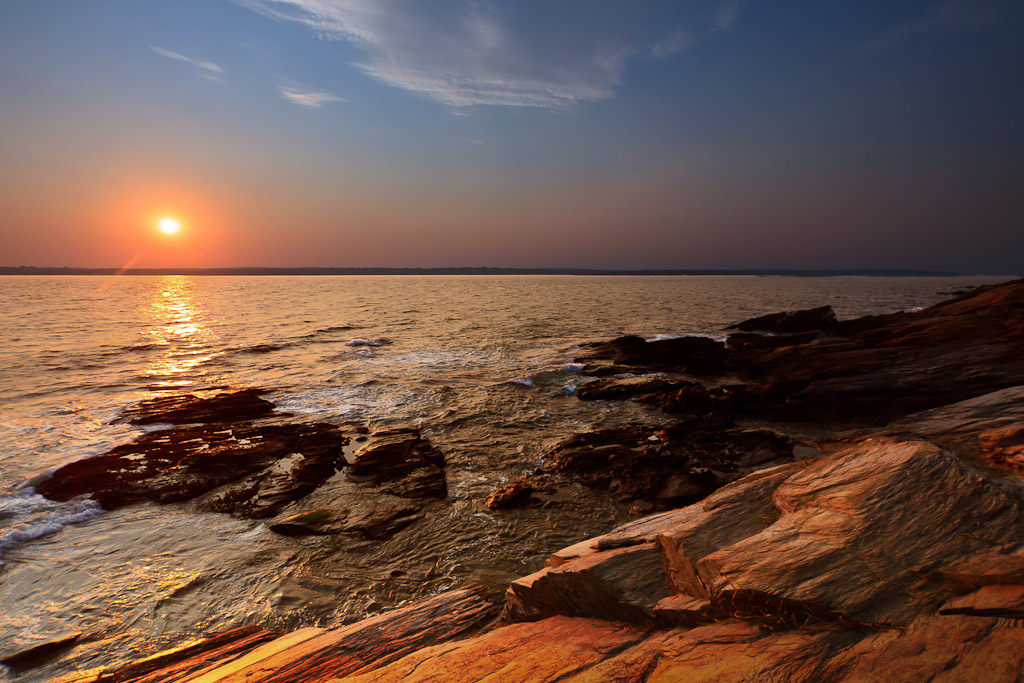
[(1000, 600), (40, 653), (180, 663), (511, 495), (314, 655), (188, 409), (624, 584), (553, 650), (670, 466), (812, 319), (698, 355), (262, 467), (313, 523), (381, 516), (401, 463), (873, 370), (617, 388)]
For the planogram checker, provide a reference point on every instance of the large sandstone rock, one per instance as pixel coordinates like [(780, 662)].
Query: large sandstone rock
[(313, 655)]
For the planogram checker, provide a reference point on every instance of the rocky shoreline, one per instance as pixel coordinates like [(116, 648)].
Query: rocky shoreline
[(837, 500)]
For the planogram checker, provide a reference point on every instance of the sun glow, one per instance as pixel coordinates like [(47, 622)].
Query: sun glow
[(168, 226)]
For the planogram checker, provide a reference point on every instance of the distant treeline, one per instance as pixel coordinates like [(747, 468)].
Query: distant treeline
[(865, 272)]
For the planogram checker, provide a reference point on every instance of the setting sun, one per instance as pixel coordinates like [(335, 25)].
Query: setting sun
[(168, 226)]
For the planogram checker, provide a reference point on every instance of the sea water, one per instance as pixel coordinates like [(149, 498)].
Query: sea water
[(481, 364)]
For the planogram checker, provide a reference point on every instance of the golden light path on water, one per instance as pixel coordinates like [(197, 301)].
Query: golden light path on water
[(177, 323)]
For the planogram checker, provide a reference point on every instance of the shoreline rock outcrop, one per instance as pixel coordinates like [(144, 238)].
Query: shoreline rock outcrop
[(896, 551)]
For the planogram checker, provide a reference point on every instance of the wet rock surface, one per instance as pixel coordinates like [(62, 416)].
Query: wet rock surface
[(235, 406), (259, 468), (401, 463), (665, 466)]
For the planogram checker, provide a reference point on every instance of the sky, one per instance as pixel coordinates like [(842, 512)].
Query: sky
[(522, 133)]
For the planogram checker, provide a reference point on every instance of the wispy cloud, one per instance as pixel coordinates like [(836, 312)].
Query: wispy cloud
[(467, 53), (675, 43), (308, 98), (207, 70), (948, 16)]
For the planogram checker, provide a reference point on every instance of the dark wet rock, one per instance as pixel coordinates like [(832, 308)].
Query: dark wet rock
[(616, 388), (813, 368), (401, 463), (319, 522), (665, 466), (787, 322), (188, 409), (873, 370), (696, 355), (511, 495), (383, 516), (40, 653), (749, 340), (261, 467)]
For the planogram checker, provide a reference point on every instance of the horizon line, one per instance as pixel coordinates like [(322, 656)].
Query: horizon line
[(483, 270)]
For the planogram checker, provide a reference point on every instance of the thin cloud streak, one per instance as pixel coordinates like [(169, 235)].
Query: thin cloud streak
[(207, 70), (308, 98), (948, 16), (466, 53)]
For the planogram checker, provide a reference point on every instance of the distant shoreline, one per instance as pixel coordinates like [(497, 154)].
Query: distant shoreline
[(864, 272)]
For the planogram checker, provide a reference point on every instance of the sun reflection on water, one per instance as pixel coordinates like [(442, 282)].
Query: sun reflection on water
[(176, 323)]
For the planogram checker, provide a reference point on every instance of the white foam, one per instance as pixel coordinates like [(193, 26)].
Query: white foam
[(524, 381), (665, 337), (35, 516)]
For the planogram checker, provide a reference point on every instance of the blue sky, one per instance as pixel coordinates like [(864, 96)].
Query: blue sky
[(714, 134)]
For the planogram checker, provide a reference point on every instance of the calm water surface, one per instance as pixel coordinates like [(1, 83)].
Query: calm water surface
[(480, 363)]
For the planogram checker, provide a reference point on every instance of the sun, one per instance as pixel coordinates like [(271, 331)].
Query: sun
[(168, 226)]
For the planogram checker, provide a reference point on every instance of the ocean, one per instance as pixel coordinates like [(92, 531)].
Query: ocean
[(482, 365)]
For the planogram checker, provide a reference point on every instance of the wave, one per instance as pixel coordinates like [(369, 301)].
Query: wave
[(32, 516)]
